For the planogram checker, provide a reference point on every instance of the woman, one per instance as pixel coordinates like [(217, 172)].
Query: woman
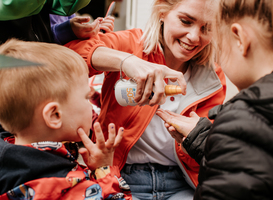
[(177, 40)]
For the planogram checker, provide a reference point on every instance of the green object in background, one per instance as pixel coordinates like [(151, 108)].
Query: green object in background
[(8, 62)]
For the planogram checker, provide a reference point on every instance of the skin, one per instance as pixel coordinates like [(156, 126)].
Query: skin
[(186, 32), (245, 49), (100, 153), (84, 30), (178, 126), (71, 121), (59, 121)]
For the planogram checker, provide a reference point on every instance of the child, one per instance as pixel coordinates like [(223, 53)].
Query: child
[(45, 108), (238, 154)]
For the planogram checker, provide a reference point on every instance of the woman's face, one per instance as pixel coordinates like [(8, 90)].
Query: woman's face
[(187, 29)]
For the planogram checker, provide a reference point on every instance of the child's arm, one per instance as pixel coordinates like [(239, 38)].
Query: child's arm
[(101, 153)]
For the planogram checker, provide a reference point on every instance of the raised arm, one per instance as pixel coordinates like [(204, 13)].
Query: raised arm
[(145, 74)]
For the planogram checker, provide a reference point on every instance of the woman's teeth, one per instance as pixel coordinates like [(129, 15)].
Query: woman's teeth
[(185, 46)]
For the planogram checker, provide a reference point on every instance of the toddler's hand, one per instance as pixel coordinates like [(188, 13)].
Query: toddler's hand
[(101, 153), (84, 30), (107, 24), (178, 126)]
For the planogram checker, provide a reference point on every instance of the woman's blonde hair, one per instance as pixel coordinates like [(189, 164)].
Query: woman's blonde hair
[(153, 33), (24, 88)]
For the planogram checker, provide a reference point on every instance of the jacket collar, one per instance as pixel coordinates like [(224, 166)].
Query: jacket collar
[(259, 96), (203, 82)]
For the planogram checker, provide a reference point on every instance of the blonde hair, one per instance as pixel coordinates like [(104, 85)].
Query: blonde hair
[(153, 33), (24, 88), (234, 10)]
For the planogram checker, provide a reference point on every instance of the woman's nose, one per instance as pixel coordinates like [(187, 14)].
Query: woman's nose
[(194, 35)]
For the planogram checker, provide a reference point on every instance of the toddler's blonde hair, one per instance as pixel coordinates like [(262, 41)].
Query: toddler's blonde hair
[(24, 88)]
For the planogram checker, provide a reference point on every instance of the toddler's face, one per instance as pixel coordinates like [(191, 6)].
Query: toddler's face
[(77, 111)]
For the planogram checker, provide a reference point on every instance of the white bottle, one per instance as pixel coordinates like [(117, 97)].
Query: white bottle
[(125, 92)]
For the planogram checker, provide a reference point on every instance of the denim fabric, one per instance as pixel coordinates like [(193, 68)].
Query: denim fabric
[(156, 182)]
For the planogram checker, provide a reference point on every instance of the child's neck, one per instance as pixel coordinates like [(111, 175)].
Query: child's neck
[(262, 64), (31, 135)]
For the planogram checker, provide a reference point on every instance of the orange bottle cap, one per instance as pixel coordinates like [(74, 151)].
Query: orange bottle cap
[(172, 90)]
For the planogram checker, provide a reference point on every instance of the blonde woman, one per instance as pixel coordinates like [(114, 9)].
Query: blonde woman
[(176, 45)]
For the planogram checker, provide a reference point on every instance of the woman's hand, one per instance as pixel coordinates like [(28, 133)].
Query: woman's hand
[(148, 75), (101, 153), (178, 126)]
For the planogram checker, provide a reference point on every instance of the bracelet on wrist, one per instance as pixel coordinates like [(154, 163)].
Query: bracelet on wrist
[(121, 63)]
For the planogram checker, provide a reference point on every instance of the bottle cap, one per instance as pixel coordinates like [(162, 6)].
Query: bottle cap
[(172, 90)]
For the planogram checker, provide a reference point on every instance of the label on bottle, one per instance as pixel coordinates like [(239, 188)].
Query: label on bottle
[(125, 92)]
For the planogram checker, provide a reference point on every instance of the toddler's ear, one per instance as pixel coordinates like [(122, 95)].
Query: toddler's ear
[(240, 35), (52, 115)]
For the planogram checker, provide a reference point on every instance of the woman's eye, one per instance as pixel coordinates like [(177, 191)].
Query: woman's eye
[(185, 21), (206, 28)]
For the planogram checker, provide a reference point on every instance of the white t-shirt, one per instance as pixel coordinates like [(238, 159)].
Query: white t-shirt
[(156, 145)]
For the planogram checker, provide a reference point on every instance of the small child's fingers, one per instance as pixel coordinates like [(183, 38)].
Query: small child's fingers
[(119, 137), (110, 17), (171, 128), (100, 141), (167, 125), (164, 115), (85, 139), (107, 29), (84, 152), (172, 113), (193, 114), (111, 136)]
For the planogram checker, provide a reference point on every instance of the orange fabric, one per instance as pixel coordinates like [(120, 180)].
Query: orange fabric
[(73, 186), (135, 119)]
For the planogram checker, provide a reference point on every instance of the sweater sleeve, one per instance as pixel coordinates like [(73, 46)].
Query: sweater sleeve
[(61, 29), (127, 41), (196, 140)]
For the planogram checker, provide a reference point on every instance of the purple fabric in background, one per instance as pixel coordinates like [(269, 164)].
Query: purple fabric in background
[(61, 29)]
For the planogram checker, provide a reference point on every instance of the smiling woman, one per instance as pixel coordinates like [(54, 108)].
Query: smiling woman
[(175, 48)]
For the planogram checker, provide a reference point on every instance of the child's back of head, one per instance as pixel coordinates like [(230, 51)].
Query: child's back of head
[(245, 40), (24, 88)]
